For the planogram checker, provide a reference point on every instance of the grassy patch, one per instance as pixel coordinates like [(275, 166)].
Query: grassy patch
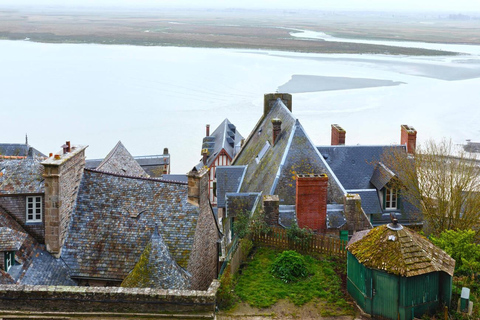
[(259, 288)]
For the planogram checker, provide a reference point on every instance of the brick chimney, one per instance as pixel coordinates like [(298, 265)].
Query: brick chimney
[(277, 129), (198, 186), (409, 138), (207, 130), (269, 100), (63, 173), (271, 209), (311, 201), (338, 135)]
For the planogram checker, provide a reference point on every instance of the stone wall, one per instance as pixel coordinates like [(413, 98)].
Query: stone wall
[(34, 301), (62, 178), (15, 206), (203, 261)]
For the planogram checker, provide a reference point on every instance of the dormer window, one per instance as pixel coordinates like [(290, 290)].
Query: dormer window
[(9, 260), (34, 209), (391, 197)]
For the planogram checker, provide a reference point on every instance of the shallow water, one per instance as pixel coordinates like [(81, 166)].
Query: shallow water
[(156, 97)]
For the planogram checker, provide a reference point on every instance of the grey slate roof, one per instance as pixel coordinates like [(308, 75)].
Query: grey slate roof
[(260, 176), (287, 215), (224, 137), (153, 165), (354, 165), (47, 270), (381, 176), (175, 177), (370, 201), (119, 160), (302, 158), (11, 240), (18, 149), (229, 179), (21, 176), (157, 269), (115, 217), (237, 202), (335, 216)]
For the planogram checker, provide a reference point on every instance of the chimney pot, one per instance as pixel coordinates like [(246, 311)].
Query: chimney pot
[(69, 146), (207, 129), (50, 155), (408, 138), (57, 157), (338, 135), (277, 129), (165, 150)]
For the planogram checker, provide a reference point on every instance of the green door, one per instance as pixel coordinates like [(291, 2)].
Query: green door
[(385, 295)]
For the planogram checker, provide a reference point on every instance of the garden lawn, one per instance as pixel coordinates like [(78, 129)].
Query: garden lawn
[(259, 288)]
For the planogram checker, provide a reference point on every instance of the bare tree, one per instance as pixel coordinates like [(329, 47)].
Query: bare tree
[(443, 181)]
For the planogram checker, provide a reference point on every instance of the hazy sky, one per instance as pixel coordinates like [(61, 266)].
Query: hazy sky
[(403, 5)]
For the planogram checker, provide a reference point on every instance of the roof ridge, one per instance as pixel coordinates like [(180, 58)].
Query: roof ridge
[(110, 154), (134, 177)]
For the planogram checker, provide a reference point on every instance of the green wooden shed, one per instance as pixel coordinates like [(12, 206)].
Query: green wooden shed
[(395, 273)]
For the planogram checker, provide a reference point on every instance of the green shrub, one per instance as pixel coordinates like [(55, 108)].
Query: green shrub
[(289, 266), (299, 236)]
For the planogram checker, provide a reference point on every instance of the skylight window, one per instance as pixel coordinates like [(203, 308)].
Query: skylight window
[(262, 152)]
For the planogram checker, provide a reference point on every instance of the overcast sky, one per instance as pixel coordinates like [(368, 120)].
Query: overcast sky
[(459, 6)]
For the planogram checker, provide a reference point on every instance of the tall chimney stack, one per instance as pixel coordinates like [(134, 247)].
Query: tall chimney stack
[(207, 129), (338, 135), (311, 201), (269, 100), (408, 138), (277, 129)]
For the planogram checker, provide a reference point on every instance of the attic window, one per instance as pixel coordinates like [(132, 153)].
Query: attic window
[(262, 152), (9, 260), (34, 209)]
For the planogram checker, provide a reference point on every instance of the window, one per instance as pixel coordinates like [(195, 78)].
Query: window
[(9, 259), (34, 209), (390, 198)]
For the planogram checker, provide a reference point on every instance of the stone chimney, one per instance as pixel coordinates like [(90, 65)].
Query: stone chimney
[(63, 173), (356, 218), (409, 138), (269, 100), (277, 129), (271, 209), (198, 186), (311, 201), (338, 135)]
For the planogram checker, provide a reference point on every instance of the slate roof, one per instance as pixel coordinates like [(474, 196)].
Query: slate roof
[(115, 217), (21, 176), (354, 165), (19, 149), (401, 252), (11, 240), (335, 216), (157, 269), (229, 179), (154, 164), (302, 157), (381, 176), (47, 270), (175, 177), (238, 202), (119, 160), (370, 201), (224, 137)]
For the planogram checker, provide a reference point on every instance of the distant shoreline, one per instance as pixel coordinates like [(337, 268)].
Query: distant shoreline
[(205, 30)]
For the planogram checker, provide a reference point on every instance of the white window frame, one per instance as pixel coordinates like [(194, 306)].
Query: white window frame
[(33, 209), (391, 198)]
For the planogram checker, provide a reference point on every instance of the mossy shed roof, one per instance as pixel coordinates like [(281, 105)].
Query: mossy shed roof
[(401, 252)]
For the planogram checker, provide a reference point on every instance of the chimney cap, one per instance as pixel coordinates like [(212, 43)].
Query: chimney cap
[(338, 127), (276, 121)]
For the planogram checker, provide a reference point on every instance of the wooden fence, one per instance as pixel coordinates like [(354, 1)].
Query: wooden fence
[(277, 237)]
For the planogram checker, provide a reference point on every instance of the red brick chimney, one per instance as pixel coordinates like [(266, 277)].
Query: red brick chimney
[(277, 129), (311, 201), (338, 135), (409, 138), (207, 130)]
